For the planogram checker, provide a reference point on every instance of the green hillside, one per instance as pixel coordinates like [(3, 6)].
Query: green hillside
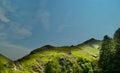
[(92, 56), (65, 59), (3, 59), (3, 63)]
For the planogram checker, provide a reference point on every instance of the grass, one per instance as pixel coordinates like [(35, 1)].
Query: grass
[(46, 55)]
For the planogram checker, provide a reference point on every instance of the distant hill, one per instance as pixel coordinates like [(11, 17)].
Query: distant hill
[(92, 41), (13, 51), (3, 59), (58, 57)]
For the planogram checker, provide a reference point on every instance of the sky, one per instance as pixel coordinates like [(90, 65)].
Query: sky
[(29, 24)]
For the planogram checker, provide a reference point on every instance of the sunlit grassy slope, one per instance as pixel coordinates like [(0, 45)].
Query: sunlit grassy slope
[(36, 60), (3, 59), (88, 50)]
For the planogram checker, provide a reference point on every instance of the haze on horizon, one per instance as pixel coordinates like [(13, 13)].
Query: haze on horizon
[(29, 24)]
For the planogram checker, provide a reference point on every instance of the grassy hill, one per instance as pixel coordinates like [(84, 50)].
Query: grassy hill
[(3, 59), (3, 62), (51, 59)]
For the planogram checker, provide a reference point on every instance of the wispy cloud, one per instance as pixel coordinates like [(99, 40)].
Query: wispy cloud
[(43, 3), (2, 26), (13, 51), (62, 28), (19, 32), (5, 7), (43, 17), (10, 29), (15, 30), (3, 36), (3, 17)]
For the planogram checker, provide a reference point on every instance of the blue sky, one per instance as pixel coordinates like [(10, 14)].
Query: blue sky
[(29, 24)]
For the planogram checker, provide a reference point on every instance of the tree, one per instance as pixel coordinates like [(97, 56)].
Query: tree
[(48, 68), (117, 36), (105, 54), (116, 58), (116, 62)]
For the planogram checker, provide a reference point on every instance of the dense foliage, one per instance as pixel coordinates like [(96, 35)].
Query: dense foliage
[(109, 60)]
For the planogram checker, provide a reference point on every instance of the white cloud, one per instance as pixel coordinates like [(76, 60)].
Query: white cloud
[(16, 30), (3, 17), (5, 7), (22, 33)]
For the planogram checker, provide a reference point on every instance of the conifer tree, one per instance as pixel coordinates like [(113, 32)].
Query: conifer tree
[(105, 54), (116, 66), (116, 59), (117, 36)]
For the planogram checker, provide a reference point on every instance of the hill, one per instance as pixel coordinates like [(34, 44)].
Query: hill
[(3, 62), (91, 56), (7, 49), (51, 59)]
